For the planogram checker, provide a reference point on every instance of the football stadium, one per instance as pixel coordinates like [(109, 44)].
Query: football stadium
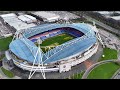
[(53, 47)]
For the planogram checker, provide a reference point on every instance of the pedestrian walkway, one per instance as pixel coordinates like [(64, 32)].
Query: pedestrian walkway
[(16, 77), (118, 55), (116, 75), (7, 64), (7, 67), (88, 63)]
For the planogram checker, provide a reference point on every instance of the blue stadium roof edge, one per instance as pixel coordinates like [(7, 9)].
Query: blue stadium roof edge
[(27, 52)]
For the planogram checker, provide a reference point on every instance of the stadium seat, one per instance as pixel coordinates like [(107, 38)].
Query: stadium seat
[(62, 31), (56, 33), (52, 34), (43, 37), (59, 32), (34, 40)]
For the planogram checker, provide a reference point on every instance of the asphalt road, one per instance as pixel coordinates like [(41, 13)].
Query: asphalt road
[(117, 31)]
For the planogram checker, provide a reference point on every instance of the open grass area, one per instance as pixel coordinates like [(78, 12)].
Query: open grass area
[(109, 54), (77, 76), (4, 43), (56, 40), (104, 71), (7, 73)]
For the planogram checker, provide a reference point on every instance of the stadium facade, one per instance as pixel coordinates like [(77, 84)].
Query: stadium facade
[(26, 55)]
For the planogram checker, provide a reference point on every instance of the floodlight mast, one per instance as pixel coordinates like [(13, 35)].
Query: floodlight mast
[(42, 71), (40, 62)]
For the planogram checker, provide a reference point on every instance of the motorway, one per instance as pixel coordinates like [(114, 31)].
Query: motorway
[(107, 27), (110, 40)]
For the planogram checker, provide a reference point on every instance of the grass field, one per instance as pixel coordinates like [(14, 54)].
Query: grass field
[(4, 43), (77, 76), (109, 54), (7, 73), (56, 40), (104, 71)]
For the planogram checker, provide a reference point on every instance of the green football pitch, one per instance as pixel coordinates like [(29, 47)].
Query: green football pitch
[(55, 41)]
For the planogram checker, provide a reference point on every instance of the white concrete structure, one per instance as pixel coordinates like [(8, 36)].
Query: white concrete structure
[(47, 16), (117, 12), (116, 17), (8, 15), (31, 17), (24, 19), (4, 31), (105, 13), (27, 18), (7, 55), (14, 21), (65, 15)]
